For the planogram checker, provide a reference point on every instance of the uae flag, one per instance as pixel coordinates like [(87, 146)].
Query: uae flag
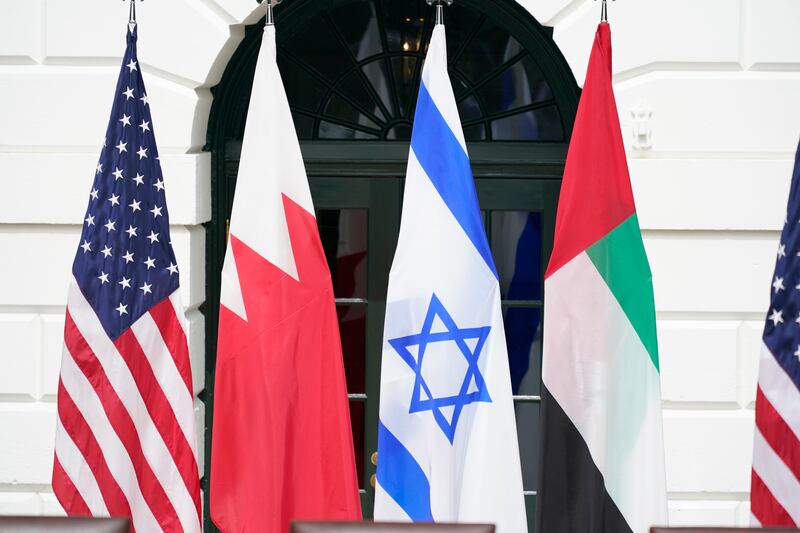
[(602, 452)]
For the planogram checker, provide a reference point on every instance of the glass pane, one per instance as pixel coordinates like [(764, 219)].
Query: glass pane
[(459, 85), (475, 133), (353, 330), (538, 125), (517, 250), (304, 91), (357, 421), (318, 47), (523, 326), (403, 23), (460, 23), (376, 74), (468, 109), (328, 130), (304, 126), (403, 69), (400, 132), (340, 109), (528, 435), (353, 87), (490, 48), (521, 84), (344, 239), (516, 240), (356, 21)]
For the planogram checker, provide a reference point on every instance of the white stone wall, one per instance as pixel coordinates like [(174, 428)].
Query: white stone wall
[(721, 79)]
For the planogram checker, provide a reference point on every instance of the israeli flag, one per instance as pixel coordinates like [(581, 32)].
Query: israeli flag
[(447, 439)]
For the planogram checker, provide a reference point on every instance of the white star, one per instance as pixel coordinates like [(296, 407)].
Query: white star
[(139, 179), (776, 317), (128, 94), (132, 65), (126, 120), (142, 152), (150, 262), (118, 174), (128, 257), (131, 231), (122, 309), (114, 199), (778, 284), (126, 283), (153, 237), (781, 250), (86, 246), (156, 211), (121, 147), (111, 225), (145, 126), (146, 288), (135, 205), (159, 185), (797, 353), (106, 251), (103, 277), (173, 268), (99, 168), (144, 99), (93, 194), (90, 220)]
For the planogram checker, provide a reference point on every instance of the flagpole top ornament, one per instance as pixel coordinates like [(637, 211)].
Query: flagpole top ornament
[(604, 12), (132, 13), (440, 8), (270, 5)]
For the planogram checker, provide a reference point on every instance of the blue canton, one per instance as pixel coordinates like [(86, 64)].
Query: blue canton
[(782, 330), (473, 387), (125, 263)]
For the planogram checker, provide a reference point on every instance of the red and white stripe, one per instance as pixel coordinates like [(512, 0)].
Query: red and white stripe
[(775, 487), (125, 435)]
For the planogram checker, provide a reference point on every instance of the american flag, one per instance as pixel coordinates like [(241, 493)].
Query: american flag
[(125, 433), (775, 485)]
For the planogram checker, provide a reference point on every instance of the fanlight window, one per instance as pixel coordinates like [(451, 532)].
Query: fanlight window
[(353, 71)]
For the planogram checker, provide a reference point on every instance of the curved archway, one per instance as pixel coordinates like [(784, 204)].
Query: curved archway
[(352, 69)]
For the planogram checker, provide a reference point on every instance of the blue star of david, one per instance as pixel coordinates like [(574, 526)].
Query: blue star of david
[(473, 375)]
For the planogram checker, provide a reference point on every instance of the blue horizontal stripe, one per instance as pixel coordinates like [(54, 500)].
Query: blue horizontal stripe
[(402, 478), (446, 163)]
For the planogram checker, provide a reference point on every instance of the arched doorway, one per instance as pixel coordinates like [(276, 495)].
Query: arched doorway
[(351, 70)]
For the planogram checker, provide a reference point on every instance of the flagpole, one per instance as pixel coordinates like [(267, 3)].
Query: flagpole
[(270, 14), (132, 14), (440, 9), (604, 12)]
